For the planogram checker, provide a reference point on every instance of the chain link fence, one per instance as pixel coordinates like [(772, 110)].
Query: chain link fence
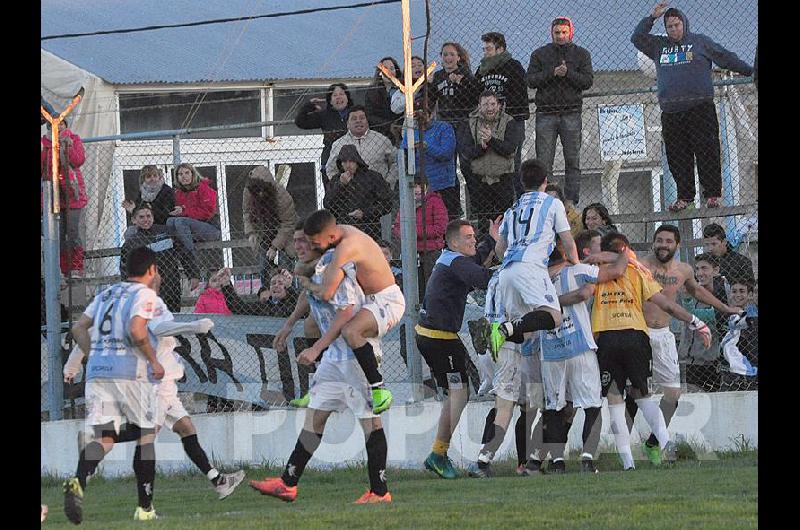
[(224, 236)]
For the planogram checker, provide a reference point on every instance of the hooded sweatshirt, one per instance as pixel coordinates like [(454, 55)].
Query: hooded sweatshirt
[(505, 76), (271, 222), (683, 67)]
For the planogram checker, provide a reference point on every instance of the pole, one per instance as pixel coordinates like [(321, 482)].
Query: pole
[(176, 152)]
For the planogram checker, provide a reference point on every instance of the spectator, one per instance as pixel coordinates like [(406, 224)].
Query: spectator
[(154, 191), (505, 76), (378, 98), (560, 72), (742, 293), (439, 147), (330, 115), (359, 196), (596, 217), (686, 95), (741, 296), (72, 194), (731, 263), (277, 300), (430, 237), (211, 300), (488, 142), (269, 218), (397, 272), (453, 88), (168, 255), (375, 149), (399, 99), (574, 218)]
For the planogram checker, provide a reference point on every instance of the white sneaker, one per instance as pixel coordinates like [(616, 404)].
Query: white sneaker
[(228, 483), (145, 515)]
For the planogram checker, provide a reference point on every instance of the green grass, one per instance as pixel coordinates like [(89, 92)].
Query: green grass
[(718, 493)]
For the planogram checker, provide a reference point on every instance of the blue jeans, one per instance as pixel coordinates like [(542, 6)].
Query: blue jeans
[(187, 230), (568, 128)]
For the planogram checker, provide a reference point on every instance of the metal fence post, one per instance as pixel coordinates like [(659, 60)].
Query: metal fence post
[(408, 254), (52, 287), (176, 151)]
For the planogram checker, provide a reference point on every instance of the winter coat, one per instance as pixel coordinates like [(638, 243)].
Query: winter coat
[(161, 206), (276, 226), (169, 253), (374, 148), (377, 102), (735, 266), (75, 157), (456, 101), (683, 68), (498, 157), (435, 224), (440, 161), (200, 204), (507, 80), (212, 301), (331, 121)]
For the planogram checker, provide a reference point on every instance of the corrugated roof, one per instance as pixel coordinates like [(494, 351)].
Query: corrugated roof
[(346, 43)]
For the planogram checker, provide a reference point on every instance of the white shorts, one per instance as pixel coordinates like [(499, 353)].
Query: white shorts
[(340, 385), (666, 371), (387, 306), (120, 401), (525, 287), (576, 379), (518, 378), (169, 408)]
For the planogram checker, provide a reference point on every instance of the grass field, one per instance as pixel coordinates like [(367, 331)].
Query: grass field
[(717, 493)]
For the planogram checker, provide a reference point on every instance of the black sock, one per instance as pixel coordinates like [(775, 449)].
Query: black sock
[(533, 321), (488, 427), (376, 462), (521, 437), (490, 448), (668, 408), (307, 443), (631, 408), (144, 466), (536, 441), (554, 432), (367, 361), (88, 460), (196, 454), (592, 425), (129, 432)]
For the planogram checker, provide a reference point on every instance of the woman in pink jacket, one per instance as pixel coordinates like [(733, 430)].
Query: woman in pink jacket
[(195, 214), (72, 195), (212, 300)]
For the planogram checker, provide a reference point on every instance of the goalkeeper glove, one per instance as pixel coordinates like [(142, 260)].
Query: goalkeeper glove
[(702, 329)]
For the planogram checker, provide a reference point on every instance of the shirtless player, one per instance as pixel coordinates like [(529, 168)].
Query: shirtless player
[(385, 303), (672, 275)]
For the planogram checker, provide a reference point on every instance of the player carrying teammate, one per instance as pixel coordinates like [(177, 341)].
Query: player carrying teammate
[(384, 305), (339, 383)]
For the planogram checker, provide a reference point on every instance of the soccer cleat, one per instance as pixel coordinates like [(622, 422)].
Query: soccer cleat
[(301, 402), (228, 482), (494, 339), (441, 465), (521, 468), (557, 467), (275, 487), (381, 400), (475, 470), (145, 515), (653, 453), (73, 500), (372, 498), (587, 466), (532, 468)]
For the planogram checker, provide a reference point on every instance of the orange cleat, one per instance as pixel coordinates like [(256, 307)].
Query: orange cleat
[(371, 498), (275, 487)]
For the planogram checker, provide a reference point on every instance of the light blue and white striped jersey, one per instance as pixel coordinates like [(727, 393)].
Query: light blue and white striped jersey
[(530, 227), (574, 336), (493, 310), (112, 355), (165, 351), (349, 292)]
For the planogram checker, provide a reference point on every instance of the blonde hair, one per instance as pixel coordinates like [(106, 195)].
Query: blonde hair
[(195, 177)]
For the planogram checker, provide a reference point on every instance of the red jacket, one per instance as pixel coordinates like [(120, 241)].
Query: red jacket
[(212, 301), (435, 224), (76, 190), (200, 204)]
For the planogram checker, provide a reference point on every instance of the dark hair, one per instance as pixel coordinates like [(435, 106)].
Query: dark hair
[(488, 93), (498, 39), (714, 230), (613, 242), (398, 73), (139, 261), (556, 188), (601, 210), (672, 12), (299, 224), (583, 239), (742, 281), (454, 229), (358, 108), (463, 54), (142, 206), (333, 87), (672, 229), (532, 174), (708, 258), (318, 221)]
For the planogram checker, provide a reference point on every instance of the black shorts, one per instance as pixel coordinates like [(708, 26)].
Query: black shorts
[(624, 355), (446, 359)]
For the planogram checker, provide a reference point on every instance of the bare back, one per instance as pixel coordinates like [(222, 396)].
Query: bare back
[(372, 270), (671, 276)]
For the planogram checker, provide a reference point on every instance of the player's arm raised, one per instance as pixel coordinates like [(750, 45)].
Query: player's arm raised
[(673, 309), (309, 355), (138, 333), (701, 294), (613, 270)]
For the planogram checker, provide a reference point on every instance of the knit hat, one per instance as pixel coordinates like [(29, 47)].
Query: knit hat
[(564, 21)]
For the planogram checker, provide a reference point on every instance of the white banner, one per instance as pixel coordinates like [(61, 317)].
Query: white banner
[(622, 132)]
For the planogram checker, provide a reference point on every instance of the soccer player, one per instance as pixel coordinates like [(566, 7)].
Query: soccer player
[(385, 302), (672, 275), (119, 390), (456, 273), (570, 372), (339, 383), (623, 346)]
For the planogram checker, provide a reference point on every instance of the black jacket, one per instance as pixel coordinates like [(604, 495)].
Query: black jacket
[(556, 94), (508, 82), (379, 112), (161, 206), (735, 266), (456, 101), (333, 125), (168, 255), (238, 306)]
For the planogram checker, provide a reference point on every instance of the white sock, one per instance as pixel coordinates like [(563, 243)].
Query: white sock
[(622, 437), (212, 474), (655, 419)]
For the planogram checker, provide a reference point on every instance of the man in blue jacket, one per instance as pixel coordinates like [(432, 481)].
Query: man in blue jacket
[(688, 117)]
